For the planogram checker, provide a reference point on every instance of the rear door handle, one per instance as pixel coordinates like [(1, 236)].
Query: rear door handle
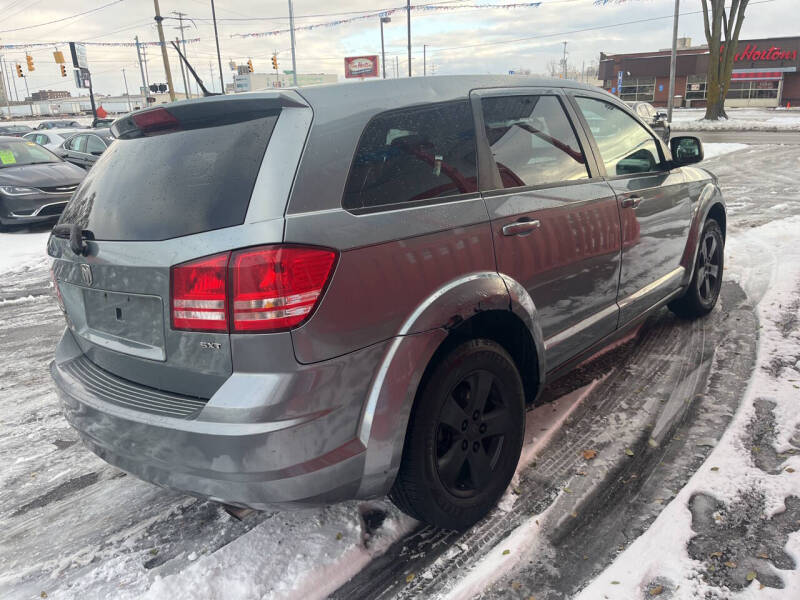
[(631, 201), (521, 227)]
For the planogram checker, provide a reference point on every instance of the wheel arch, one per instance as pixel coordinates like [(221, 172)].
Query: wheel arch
[(487, 304)]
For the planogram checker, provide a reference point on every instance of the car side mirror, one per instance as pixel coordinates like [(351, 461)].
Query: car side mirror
[(686, 150)]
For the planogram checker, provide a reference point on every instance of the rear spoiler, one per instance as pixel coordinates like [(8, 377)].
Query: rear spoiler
[(203, 112)]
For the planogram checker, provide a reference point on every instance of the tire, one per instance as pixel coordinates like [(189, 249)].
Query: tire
[(461, 448), (703, 292)]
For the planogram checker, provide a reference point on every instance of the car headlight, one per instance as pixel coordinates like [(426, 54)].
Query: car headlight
[(15, 190)]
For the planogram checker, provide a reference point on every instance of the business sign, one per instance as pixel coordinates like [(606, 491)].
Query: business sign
[(752, 53), (360, 66), (80, 65)]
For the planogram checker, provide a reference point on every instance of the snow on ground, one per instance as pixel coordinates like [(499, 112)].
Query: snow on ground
[(34, 122), (712, 150), (734, 465), (739, 119), (22, 249)]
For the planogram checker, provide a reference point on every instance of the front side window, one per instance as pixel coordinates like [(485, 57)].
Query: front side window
[(532, 141), (414, 154), (626, 147)]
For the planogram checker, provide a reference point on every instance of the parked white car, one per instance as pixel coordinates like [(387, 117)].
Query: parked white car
[(51, 138)]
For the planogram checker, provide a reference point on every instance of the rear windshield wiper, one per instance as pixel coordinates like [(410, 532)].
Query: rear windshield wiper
[(76, 237)]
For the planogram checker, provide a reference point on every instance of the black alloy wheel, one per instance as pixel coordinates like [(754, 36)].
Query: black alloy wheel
[(464, 436), (473, 425), (703, 292)]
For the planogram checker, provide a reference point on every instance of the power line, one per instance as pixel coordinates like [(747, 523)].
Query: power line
[(86, 12)]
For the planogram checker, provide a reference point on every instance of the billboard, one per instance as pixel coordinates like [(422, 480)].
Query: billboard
[(80, 64), (360, 66)]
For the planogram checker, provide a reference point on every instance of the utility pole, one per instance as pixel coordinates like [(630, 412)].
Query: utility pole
[(424, 60), (141, 68), (158, 19), (291, 31), (183, 74), (396, 67), (216, 39), (187, 89), (408, 22), (6, 86), (144, 59), (28, 94), (672, 60), (127, 93), (564, 61), (383, 51)]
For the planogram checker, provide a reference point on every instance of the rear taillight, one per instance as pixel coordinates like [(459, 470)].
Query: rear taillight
[(277, 287), (269, 288), (199, 294)]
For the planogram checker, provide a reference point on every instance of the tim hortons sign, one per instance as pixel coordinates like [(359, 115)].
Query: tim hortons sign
[(361, 66), (752, 53)]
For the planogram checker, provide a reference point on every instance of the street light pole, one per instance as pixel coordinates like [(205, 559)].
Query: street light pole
[(424, 60), (291, 31), (408, 22), (216, 39), (672, 60), (383, 52)]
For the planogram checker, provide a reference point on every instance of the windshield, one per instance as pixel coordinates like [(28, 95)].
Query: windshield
[(15, 153)]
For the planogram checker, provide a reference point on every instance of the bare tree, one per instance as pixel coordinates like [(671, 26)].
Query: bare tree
[(722, 27)]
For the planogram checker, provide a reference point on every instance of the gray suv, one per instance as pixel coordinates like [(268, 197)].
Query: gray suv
[(302, 296)]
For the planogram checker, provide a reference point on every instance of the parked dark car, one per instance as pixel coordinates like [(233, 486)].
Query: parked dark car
[(35, 184), (83, 149), (296, 297), (14, 130), (657, 119), (60, 124)]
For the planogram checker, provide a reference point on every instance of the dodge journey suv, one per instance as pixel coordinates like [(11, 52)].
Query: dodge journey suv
[(301, 296)]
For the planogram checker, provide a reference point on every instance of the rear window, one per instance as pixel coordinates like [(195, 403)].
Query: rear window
[(414, 154), (171, 185)]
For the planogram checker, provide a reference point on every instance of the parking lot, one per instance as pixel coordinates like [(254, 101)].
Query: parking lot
[(72, 526)]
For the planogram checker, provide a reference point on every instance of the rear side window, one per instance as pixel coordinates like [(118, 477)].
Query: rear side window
[(414, 154), (532, 141), (171, 185), (94, 144), (625, 145)]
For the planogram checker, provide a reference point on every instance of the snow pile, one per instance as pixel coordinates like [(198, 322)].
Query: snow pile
[(22, 250), (660, 554), (713, 150), (745, 119)]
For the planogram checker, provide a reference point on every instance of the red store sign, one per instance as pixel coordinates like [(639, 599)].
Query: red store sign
[(361, 66), (752, 53)]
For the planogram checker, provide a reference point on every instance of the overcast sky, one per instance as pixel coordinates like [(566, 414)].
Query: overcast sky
[(466, 40)]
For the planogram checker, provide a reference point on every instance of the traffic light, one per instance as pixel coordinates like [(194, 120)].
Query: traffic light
[(19, 70), (250, 65), (162, 87), (63, 71), (153, 87), (275, 61), (59, 57), (29, 60)]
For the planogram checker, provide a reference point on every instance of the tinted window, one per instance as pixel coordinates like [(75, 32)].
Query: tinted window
[(24, 152), (77, 143), (42, 139), (414, 154), (94, 144), (165, 186), (625, 146), (532, 141)]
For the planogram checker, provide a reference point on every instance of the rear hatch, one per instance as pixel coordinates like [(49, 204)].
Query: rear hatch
[(174, 187)]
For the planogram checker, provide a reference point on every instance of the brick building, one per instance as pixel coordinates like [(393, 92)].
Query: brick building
[(49, 95), (765, 73)]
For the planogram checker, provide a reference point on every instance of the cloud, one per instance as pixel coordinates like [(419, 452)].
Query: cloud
[(445, 34)]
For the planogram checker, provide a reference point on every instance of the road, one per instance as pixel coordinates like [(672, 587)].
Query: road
[(74, 527), (746, 137)]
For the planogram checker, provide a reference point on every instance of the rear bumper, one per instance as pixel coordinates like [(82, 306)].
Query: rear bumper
[(304, 459)]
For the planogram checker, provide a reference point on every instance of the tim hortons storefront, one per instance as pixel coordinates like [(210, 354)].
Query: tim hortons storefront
[(765, 73)]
